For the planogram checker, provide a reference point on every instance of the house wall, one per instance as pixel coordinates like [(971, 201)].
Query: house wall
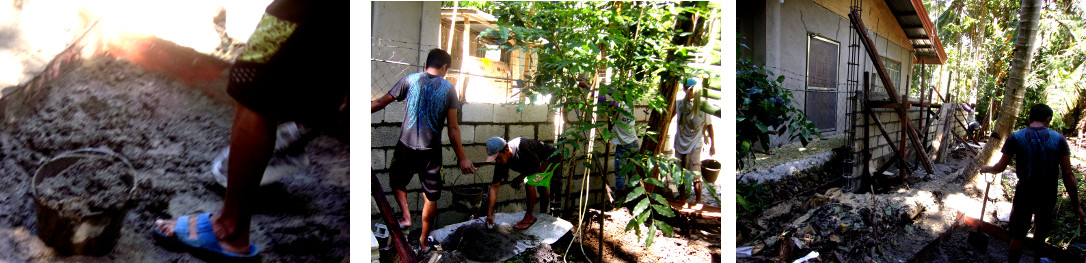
[(402, 32), (786, 28)]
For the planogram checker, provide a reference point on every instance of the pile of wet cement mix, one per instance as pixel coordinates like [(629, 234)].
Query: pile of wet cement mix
[(476, 242), (170, 132), (86, 187)]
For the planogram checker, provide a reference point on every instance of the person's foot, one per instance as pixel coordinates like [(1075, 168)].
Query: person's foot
[(425, 245), (525, 223), (166, 227), (404, 221)]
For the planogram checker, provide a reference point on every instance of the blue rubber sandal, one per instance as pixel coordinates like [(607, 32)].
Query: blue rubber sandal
[(205, 244)]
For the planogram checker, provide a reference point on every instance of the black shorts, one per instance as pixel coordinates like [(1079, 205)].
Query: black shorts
[(406, 162), (555, 177), (301, 79), (1035, 205)]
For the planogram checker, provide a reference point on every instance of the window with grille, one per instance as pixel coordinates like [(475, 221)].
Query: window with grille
[(821, 90)]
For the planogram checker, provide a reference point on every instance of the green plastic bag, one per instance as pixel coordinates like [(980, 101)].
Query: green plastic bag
[(542, 179)]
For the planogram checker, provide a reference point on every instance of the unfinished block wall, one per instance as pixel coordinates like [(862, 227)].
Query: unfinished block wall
[(478, 122)]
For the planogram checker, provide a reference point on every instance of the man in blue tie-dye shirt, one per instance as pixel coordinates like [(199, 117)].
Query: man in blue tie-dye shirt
[(431, 100)]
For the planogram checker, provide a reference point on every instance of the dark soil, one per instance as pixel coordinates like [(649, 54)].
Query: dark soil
[(956, 248), (694, 240), (87, 186), (478, 243)]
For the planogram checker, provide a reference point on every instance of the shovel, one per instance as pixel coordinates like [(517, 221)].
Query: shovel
[(979, 240)]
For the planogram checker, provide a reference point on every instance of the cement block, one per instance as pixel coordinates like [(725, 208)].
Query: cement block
[(511, 207), (546, 132), (477, 112), (527, 131), (414, 184), (453, 177), (476, 153), (444, 202), (385, 136), (506, 114), (377, 117), (395, 112), (384, 182), (389, 156), (641, 114), (536, 113), (484, 132), (467, 134), (448, 156), (377, 159), (374, 211), (484, 174), (507, 193)]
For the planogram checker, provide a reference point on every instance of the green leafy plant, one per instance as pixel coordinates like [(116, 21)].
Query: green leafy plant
[(764, 107), (577, 41)]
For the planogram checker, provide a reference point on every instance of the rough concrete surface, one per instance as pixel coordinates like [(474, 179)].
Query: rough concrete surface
[(171, 134)]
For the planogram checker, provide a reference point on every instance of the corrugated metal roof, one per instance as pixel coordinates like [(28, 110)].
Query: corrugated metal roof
[(922, 34)]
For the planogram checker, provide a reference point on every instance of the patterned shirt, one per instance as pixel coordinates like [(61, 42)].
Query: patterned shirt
[(429, 98)]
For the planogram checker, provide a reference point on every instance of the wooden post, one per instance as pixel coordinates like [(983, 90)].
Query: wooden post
[(854, 18), (867, 128), (400, 242), (904, 123)]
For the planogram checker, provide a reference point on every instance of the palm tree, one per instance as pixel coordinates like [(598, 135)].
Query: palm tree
[(1029, 18)]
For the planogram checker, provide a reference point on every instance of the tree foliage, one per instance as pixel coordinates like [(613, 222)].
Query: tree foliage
[(582, 40)]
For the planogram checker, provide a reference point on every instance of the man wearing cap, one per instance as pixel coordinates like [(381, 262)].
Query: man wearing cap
[(529, 158), (693, 126), (431, 100)]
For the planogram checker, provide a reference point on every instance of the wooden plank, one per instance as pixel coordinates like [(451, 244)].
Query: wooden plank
[(854, 18), (889, 104), (405, 251)]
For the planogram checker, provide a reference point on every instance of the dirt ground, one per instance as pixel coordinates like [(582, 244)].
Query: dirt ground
[(694, 241), (170, 133), (808, 212), (956, 248)]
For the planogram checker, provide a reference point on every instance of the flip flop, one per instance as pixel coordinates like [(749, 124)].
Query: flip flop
[(205, 244), (429, 239), (522, 222)]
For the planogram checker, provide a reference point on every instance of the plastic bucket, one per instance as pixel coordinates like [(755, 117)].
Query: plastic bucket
[(467, 199), (710, 169), (93, 233)]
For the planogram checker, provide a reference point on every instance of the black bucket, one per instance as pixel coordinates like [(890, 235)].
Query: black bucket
[(468, 199), (710, 169), (95, 233)]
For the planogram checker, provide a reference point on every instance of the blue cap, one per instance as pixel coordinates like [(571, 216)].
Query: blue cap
[(493, 146), (690, 82)]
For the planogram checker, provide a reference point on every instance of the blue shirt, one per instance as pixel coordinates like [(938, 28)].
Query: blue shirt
[(1037, 154), (429, 98)]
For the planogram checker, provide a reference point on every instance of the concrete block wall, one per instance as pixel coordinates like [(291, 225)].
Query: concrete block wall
[(478, 122), (881, 152)]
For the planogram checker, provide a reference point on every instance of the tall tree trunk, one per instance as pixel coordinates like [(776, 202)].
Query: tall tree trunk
[(658, 121), (1029, 17)]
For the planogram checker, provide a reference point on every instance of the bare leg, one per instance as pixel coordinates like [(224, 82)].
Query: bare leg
[(545, 206), (1015, 251), (530, 192), (682, 188), (401, 197), (252, 139), (428, 210), (697, 192)]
